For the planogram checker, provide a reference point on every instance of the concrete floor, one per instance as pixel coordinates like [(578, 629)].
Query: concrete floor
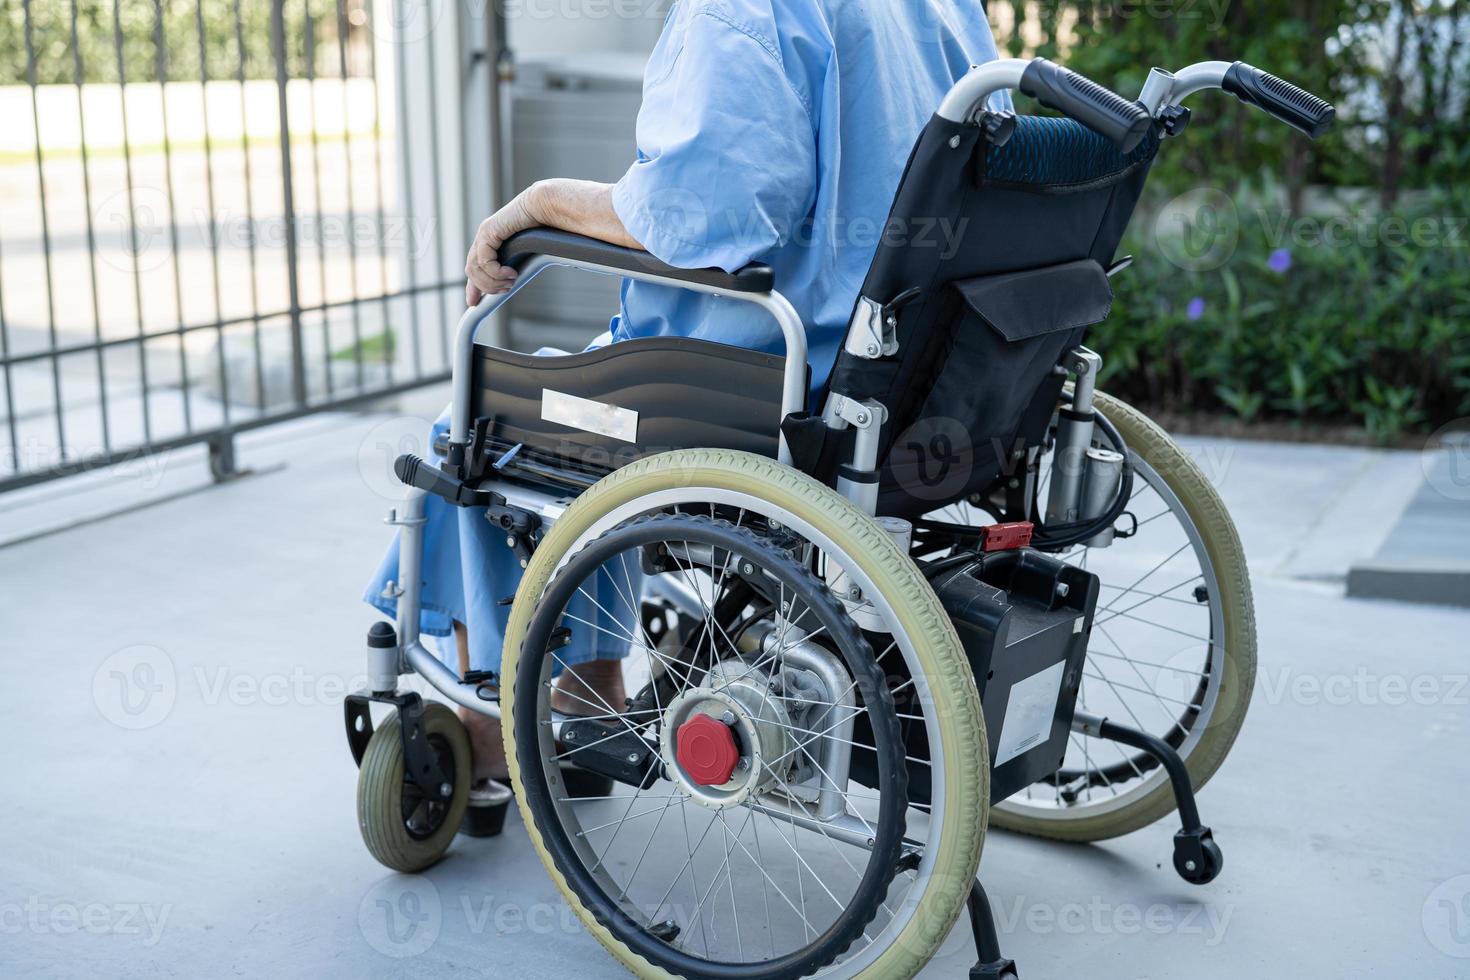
[(179, 799)]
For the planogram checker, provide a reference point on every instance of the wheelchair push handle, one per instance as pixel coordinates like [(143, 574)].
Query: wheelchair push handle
[(1098, 108), (1289, 103)]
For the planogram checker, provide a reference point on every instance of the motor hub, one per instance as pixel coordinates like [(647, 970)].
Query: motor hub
[(707, 751), (728, 739)]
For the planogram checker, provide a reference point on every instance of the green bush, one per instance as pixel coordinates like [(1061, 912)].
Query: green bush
[(138, 26), (1362, 318), (1368, 328)]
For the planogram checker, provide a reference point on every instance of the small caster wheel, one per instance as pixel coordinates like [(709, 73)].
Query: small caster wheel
[(1197, 857), (403, 828)]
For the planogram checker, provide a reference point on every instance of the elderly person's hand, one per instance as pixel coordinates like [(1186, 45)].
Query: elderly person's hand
[(580, 206), (483, 272)]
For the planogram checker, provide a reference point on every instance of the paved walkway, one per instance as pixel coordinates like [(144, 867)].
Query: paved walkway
[(1427, 555), (208, 828)]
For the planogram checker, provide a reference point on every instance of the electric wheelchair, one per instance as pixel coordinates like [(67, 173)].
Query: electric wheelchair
[(967, 589)]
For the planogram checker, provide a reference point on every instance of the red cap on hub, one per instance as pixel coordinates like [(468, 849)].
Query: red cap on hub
[(706, 749)]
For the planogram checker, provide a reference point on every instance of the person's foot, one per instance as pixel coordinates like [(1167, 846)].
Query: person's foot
[(593, 688), (487, 748)]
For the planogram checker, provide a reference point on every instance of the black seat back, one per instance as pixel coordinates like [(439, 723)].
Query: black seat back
[(578, 417), (1006, 247)]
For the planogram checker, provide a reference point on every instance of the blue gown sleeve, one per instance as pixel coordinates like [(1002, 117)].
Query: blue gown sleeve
[(727, 165)]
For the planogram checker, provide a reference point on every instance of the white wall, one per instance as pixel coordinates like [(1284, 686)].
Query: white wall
[(555, 28)]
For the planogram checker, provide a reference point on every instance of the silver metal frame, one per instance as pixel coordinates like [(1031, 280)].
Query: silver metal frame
[(793, 384), (968, 95), (1163, 89)]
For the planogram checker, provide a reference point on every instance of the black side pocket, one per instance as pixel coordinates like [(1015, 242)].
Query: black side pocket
[(1006, 334)]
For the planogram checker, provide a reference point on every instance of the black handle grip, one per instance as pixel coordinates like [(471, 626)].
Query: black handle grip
[(1101, 109), (1294, 106)]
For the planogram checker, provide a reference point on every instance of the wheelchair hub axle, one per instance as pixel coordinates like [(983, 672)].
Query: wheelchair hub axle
[(729, 739)]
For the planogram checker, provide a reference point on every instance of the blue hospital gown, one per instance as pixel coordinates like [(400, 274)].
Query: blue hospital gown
[(772, 131)]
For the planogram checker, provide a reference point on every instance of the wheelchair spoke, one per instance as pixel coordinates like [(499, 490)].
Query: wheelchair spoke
[(646, 813), (1149, 597), (1142, 663), (1141, 678)]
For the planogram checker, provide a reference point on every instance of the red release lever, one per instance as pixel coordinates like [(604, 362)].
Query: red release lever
[(1006, 537)]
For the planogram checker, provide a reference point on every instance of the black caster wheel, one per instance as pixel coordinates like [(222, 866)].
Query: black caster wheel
[(1197, 857), (404, 828)]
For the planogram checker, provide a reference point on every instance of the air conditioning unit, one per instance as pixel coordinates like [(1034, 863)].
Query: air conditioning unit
[(571, 117)]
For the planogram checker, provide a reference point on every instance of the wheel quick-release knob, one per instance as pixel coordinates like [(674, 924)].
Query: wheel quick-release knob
[(706, 750)]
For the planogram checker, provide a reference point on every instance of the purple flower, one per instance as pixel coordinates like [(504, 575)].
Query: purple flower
[(1280, 261), (1195, 309)]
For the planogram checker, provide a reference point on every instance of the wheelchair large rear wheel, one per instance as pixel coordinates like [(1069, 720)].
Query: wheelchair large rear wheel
[(716, 857), (1173, 647)]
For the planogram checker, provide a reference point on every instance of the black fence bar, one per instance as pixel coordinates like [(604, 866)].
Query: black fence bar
[(309, 39), (77, 75), (45, 219), (249, 208), (382, 229), (160, 65), (133, 246), (219, 310), (437, 168), (347, 148), (183, 188), (5, 368), (288, 205)]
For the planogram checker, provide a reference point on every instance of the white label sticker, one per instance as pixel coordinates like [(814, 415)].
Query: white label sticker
[(589, 416), (1030, 711)]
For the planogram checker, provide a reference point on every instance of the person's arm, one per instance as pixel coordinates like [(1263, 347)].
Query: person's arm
[(583, 207)]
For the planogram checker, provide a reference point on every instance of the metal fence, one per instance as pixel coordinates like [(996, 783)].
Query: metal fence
[(217, 215)]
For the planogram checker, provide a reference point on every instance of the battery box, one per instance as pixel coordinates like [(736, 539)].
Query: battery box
[(1024, 619)]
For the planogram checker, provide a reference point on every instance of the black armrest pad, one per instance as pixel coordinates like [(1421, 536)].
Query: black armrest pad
[(519, 248)]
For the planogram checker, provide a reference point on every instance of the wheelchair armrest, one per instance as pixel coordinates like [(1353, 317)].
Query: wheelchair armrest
[(521, 247)]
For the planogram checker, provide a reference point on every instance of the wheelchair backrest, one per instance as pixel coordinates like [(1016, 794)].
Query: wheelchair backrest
[(1003, 251), (572, 419)]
